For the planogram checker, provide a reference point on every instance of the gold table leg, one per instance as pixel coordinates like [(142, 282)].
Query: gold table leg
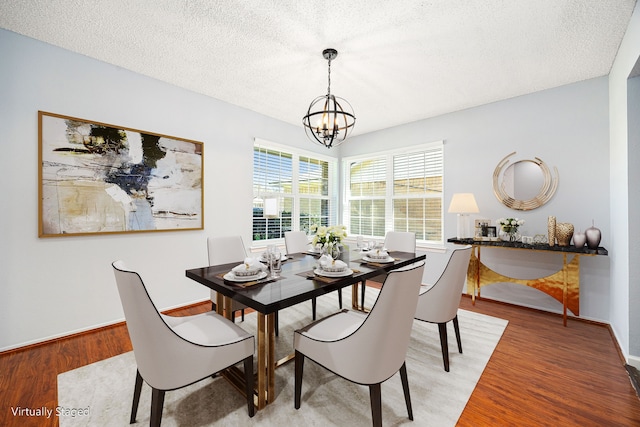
[(354, 296), (271, 358), (219, 303), (473, 274), (266, 360), (266, 383)]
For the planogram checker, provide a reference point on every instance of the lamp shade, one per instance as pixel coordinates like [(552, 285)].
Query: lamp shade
[(463, 203), (270, 208)]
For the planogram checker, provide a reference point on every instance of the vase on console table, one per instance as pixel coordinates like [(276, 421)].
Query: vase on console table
[(564, 233), (509, 236), (593, 236), (551, 228), (579, 239)]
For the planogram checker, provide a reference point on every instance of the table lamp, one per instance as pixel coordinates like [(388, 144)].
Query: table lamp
[(463, 204)]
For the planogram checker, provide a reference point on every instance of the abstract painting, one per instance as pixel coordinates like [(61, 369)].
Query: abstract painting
[(100, 178)]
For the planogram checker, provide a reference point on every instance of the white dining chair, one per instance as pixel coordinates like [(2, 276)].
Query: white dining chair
[(174, 352), (439, 302), (224, 250), (365, 348), (298, 242), (402, 241)]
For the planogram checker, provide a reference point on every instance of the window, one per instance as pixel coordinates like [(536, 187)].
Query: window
[(302, 185), (397, 190), (368, 189)]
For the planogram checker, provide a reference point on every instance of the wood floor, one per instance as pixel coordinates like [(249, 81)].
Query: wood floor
[(541, 373)]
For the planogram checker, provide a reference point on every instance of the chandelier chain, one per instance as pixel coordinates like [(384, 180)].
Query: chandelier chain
[(329, 79)]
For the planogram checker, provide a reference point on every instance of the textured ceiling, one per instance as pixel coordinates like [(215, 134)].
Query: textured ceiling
[(398, 61)]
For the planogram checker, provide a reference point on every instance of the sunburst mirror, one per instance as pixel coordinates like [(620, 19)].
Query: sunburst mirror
[(524, 184)]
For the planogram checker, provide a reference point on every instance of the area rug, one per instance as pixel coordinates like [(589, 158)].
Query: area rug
[(101, 393)]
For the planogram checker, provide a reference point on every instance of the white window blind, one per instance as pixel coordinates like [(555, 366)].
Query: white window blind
[(367, 190), (417, 193), (412, 201), (303, 185)]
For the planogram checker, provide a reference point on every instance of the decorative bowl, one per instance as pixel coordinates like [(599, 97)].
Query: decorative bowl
[(245, 270), (334, 266), (376, 254)]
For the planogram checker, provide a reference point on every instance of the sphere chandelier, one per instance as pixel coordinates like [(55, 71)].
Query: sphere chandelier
[(329, 119)]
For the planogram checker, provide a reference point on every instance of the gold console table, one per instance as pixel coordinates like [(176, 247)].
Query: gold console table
[(563, 286)]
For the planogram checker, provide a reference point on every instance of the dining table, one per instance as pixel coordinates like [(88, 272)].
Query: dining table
[(299, 281)]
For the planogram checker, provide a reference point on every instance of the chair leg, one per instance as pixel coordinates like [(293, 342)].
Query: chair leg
[(136, 397), (376, 404), (248, 376), (363, 286), (340, 298), (157, 401), (313, 309), (405, 388), (275, 323), (457, 329), (299, 362), (213, 306), (233, 316), (242, 314), (442, 327)]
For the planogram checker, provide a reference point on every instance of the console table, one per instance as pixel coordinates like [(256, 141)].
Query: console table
[(564, 285)]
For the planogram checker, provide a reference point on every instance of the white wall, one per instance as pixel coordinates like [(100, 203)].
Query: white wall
[(625, 206), (55, 286), (567, 127)]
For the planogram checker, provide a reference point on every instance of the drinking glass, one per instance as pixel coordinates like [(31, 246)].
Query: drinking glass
[(360, 243), (275, 263)]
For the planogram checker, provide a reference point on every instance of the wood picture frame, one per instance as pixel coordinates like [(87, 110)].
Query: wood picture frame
[(97, 178)]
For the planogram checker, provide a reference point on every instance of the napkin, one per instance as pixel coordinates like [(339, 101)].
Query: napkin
[(249, 264), (378, 253), (326, 261)]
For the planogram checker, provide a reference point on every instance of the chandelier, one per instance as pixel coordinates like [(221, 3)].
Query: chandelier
[(329, 119)]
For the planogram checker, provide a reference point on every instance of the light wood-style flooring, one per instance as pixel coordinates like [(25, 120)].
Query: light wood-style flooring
[(541, 373)]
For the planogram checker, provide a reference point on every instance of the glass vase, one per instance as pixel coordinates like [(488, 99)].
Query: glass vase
[(511, 235), (334, 251)]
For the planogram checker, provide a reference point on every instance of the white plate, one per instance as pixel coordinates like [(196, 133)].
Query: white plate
[(345, 273), (233, 278), (389, 259)]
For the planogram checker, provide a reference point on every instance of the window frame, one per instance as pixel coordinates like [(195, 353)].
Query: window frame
[(389, 196), (296, 153)]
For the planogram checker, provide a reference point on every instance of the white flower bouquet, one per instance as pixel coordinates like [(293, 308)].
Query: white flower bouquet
[(510, 225), (328, 237)]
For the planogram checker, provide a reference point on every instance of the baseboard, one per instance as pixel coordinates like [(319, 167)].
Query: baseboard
[(88, 330), (53, 338)]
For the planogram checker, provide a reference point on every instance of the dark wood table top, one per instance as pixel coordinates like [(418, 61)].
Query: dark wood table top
[(297, 282)]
